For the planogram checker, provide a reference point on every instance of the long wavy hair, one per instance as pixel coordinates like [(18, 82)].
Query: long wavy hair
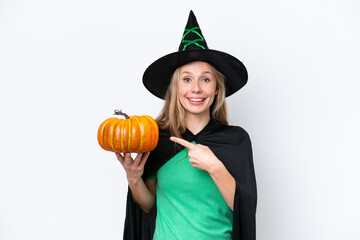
[(172, 115)]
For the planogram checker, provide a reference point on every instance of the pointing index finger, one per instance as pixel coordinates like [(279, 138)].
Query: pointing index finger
[(182, 142)]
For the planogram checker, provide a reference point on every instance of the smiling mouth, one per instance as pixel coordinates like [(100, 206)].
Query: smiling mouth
[(196, 99)]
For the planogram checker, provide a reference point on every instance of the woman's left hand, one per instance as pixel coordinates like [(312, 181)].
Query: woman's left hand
[(200, 156)]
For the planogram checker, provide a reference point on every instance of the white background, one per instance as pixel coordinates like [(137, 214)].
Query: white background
[(66, 65)]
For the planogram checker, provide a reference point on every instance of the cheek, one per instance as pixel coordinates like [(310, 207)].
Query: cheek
[(182, 90), (181, 94), (213, 90)]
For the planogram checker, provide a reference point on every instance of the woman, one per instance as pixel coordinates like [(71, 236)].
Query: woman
[(200, 177)]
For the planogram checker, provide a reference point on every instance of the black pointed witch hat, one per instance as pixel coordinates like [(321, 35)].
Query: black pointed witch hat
[(193, 47)]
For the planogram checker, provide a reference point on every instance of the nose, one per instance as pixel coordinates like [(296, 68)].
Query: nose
[(196, 88)]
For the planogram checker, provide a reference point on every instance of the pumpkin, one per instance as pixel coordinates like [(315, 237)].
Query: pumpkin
[(136, 134)]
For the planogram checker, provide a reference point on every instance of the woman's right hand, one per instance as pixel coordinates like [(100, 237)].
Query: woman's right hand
[(134, 168)]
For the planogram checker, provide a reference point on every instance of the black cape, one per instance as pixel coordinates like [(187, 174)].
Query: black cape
[(232, 146)]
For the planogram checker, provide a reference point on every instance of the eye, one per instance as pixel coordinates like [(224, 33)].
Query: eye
[(187, 79), (205, 80)]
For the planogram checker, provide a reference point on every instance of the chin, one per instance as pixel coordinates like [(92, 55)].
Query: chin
[(197, 112)]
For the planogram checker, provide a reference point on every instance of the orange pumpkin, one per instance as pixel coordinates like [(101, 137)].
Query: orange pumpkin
[(135, 134)]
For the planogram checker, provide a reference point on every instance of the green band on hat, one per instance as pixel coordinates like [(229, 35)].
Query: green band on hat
[(189, 42)]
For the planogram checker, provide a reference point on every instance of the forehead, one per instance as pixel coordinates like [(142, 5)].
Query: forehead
[(197, 67)]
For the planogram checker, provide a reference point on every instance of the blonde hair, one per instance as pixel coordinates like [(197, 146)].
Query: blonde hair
[(172, 115)]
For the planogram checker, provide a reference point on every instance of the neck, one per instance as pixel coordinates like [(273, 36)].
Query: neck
[(196, 123)]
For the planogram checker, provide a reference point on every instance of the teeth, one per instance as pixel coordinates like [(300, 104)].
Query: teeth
[(197, 99)]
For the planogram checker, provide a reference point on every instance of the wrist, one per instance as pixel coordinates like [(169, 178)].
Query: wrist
[(134, 180), (215, 167)]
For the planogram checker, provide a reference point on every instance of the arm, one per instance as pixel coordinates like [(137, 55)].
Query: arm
[(143, 192), (224, 181)]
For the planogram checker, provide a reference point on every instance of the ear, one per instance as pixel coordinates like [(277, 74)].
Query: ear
[(216, 92)]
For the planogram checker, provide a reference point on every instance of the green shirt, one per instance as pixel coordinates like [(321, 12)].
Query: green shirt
[(189, 204)]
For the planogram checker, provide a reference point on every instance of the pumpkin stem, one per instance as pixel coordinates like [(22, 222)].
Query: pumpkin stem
[(119, 112)]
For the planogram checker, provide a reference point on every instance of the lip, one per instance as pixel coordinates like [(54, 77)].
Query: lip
[(196, 101)]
